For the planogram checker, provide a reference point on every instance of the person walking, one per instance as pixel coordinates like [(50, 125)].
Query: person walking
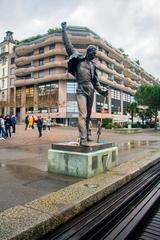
[(8, 125), (13, 122), (2, 128), (48, 120), (39, 125), (26, 121), (31, 122)]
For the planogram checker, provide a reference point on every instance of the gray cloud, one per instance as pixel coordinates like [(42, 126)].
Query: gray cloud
[(129, 24)]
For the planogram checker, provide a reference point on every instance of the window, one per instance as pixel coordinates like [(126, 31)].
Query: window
[(12, 70), (2, 49), (3, 72), (48, 97), (18, 97), (51, 59), (127, 98), (81, 46), (29, 98), (51, 46), (46, 89), (71, 87), (115, 101), (71, 97), (111, 77), (41, 62), (11, 81), (115, 94), (2, 83), (41, 74), (3, 95), (107, 52), (29, 92), (18, 92), (72, 106), (12, 60), (51, 71), (110, 65), (4, 61), (41, 50), (99, 104)]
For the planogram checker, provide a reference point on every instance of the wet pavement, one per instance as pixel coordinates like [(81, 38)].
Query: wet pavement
[(24, 176), (23, 166)]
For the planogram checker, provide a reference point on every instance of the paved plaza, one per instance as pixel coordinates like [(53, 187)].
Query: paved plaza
[(23, 160)]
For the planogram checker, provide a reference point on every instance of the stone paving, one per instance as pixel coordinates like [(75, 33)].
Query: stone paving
[(23, 160), (33, 201)]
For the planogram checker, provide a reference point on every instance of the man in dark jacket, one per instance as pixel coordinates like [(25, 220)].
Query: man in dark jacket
[(39, 125), (84, 69), (8, 125), (26, 122), (13, 122)]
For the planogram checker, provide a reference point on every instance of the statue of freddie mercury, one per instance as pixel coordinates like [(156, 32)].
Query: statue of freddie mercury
[(84, 70)]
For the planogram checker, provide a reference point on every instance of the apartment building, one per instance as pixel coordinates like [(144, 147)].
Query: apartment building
[(43, 86), (6, 48)]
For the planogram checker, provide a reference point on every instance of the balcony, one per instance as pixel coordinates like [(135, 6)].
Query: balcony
[(103, 56), (48, 78), (104, 68), (20, 61), (24, 71), (130, 74), (27, 48), (114, 84), (131, 83), (144, 81)]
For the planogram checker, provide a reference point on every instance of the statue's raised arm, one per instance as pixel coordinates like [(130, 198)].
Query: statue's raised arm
[(67, 43)]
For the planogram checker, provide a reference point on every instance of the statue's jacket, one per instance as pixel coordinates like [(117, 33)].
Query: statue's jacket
[(85, 73), (83, 70)]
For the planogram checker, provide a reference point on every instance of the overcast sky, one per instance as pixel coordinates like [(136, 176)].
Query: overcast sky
[(129, 24)]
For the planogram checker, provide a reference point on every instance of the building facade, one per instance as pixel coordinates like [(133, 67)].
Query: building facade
[(6, 48), (41, 84)]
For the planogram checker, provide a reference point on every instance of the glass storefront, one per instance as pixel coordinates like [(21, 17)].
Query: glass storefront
[(48, 97)]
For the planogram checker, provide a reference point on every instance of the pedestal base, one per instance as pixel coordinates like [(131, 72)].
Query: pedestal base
[(82, 161)]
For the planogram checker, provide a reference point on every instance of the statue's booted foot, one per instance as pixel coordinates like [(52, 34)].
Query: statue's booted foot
[(89, 139), (83, 143)]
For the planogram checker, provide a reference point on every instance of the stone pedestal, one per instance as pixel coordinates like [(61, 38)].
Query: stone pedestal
[(82, 161)]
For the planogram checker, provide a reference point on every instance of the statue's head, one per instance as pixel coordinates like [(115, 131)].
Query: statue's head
[(91, 52)]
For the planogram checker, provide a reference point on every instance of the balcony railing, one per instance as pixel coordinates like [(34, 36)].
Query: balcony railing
[(47, 78), (23, 71)]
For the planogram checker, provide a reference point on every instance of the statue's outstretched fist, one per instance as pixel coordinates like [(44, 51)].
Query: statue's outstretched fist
[(64, 25)]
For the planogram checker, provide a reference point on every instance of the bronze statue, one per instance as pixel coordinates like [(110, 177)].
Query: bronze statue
[(84, 69)]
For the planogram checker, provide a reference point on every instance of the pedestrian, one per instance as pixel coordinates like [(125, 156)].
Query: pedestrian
[(31, 122), (44, 123), (13, 122), (8, 125), (2, 128), (26, 121), (39, 125), (48, 120)]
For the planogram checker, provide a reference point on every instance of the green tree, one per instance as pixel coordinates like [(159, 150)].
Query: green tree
[(54, 30), (132, 108), (149, 95)]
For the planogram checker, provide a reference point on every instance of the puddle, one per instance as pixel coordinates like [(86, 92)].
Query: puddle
[(94, 186), (135, 144)]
